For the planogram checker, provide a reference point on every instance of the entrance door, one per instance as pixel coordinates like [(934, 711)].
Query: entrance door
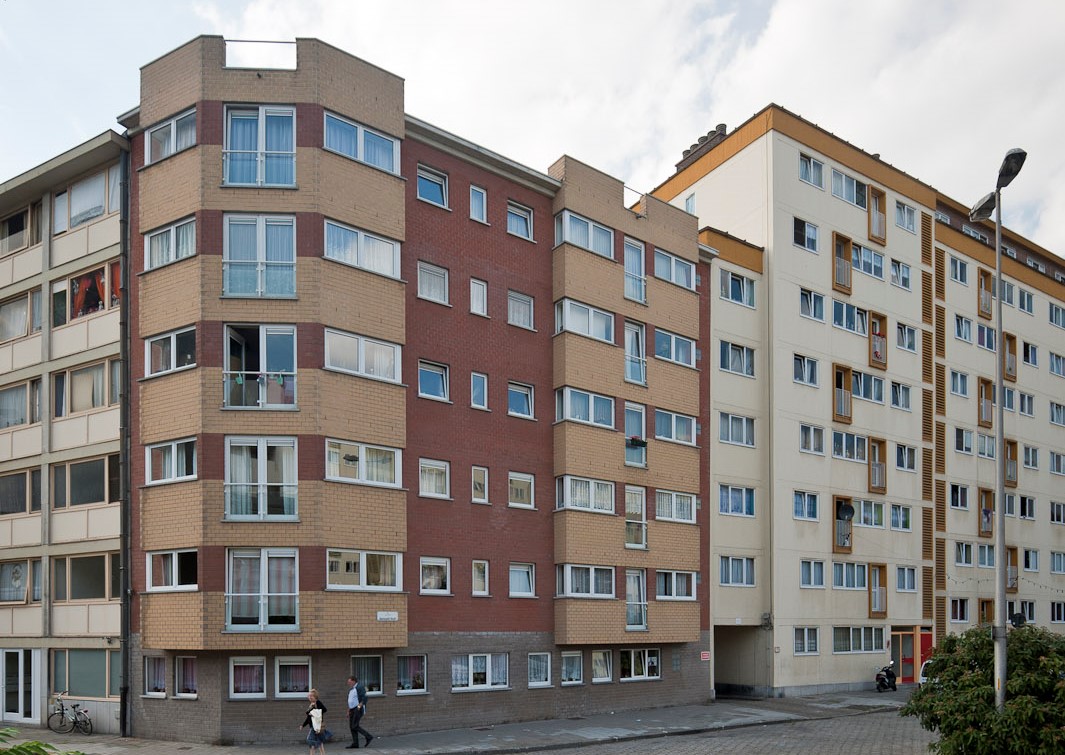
[(902, 647), (19, 674)]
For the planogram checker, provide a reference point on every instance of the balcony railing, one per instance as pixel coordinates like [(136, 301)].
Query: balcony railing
[(259, 278), (877, 599), (843, 272), (986, 411), (877, 475), (636, 369), (879, 348), (878, 225), (843, 402), (1011, 471), (246, 500), (1011, 365), (254, 168), (262, 612), (1011, 577), (843, 533), (259, 390), (985, 302)]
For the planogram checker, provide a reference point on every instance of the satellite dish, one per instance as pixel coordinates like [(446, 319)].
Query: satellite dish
[(845, 511)]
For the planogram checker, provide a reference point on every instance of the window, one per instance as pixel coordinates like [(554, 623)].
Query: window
[(805, 371), (689, 204), (478, 204), (170, 244), (584, 320), (806, 641), (479, 484), (869, 514), (21, 229), (520, 400), (170, 352), (849, 317), (602, 668), (86, 294), (674, 348), (959, 383), (79, 390), (347, 461), (1057, 612), (1031, 457), (963, 328), (959, 496), (737, 429), (900, 396), (1009, 396), (360, 143), (811, 171), (410, 674), (21, 315), (973, 233), (635, 279), (735, 500), (635, 600), (479, 671), (262, 590), (87, 673), (479, 578), (906, 579), (805, 505), (900, 518), (478, 390), (635, 439), (362, 249), (433, 381), (367, 669), (1025, 301), (671, 268), (1027, 507), (1057, 562), (292, 676), (959, 271), (737, 571), (906, 337), (1026, 403), (521, 492), (520, 310), (942, 217), (185, 677), (539, 669), (905, 216), (88, 199), (432, 186), (639, 664), (805, 234), (261, 480), (1057, 364), (85, 578), (434, 478), (259, 256), (811, 573), (1028, 611), (571, 228), (963, 440), (1007, 290), (84, 483), (435, 576), (1057, 315), (247, 678), (20, 581), (362, 356), (905, 458), (811, 305), (867, 387), (432, 283), (811, 439), (985, 556), (675, 585), (1057, 512), (848, 189), (959, 610), (985, 337), (260, 147), (572, 668), (963, 554), (1057, 413), (849, 446), (478, 297), (170, 462), (868, 261), (585, 494), (675, 507), (519, 220), (737, 359), (848, 576), (635, 356), (985, 446), (737, 288), (523, 580), (900, 274), (577, 581), (679, 428), (363, 570), (1030, 354)]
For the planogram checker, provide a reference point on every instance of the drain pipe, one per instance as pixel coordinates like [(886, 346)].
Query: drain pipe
[(124, 440)]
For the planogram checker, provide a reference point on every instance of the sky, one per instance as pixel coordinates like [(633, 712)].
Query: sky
[(941, 89)]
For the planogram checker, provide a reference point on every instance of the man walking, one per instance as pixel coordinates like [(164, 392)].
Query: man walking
[(356, 710)]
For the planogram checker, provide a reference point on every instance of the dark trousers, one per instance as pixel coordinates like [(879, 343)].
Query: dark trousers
[(354, 716)]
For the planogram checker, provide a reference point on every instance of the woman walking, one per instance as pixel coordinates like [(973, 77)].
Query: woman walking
[(318, 734)]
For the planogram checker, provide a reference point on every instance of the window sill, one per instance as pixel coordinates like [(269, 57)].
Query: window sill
[(153, 696), (435, 497), (167, 264), (524, 597), (523, 238), (468, 690), (481, 503), (406, 692), (480, 314), (278, 408), (435, 301), (525, 417), (485, 223), (262, 630), (481, 409), (572, 684), (283, 187), (153, 376), (187, 696), (438, 399), (542, 686), (431, 203), (437, 594)]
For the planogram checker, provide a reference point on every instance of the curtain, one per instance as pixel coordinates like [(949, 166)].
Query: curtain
[(161, 355), (434, 577), (13, 406), (521, 580), (241, 262), (460, 671), (341, 243), (580, 492), (155, 674), (378, 255), (114, 189), (635, 599), (159, 249), (602, 241), (13, 581), (579, 232), (186, 673), (519, 312), (380, 466), (13, 319), (248, 679), (380, 570), (342, 351), (243, 147), (244, 588), (87, 199), (380, 360), (432, 284), (162, 460), (498, 670), (433, 480), (243, 474), (281, 480), (539, 667), (186, 131), (410, 672), (280, 149), (604, 581), (604, 497), (281, 589), (280, 258), (604, 411), (87, 388), (601, 664), (294, 677), (378, 151), (341, 137), (634, 279), (185, 240)]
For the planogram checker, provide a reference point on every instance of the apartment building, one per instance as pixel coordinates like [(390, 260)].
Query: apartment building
[(854, 460), (393, 414), (61, 303)]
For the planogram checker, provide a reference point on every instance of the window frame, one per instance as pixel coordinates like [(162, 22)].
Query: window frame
[(521, 477), (746, 286), (361, 259), (676, 420), (172, 338), (174, 252), (675, 263), (172, 476), (437, 465), (435, 562), (520, 212), (262, 262), (442, 371), (431, 176), (666, 508), (442, 273), (670, 341), (261, 153), (812, 162), (334, 338), (527, 570), (545, 661), (567, 319), (249, 661), (482, 217), (523, 389), (747, 577), (362, 477), (516, 299), (478, 301), (345, 556), (262, 444), (264, 596), (360, 142), (564, 234)]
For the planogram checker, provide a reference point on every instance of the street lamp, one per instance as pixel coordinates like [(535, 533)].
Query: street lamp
[(1011, 166)]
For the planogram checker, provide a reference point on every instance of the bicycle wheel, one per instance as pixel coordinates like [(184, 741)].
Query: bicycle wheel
[(84, 723), (60, 723)]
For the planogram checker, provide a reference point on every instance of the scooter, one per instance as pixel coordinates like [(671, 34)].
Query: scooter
[(885, 678)]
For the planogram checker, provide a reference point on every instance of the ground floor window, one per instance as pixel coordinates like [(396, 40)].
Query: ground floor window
[(479, 671), (572, 668), (410, 674), (293, 675), (367, 669), (86, 673), (155, 676), (185, 676), (602, 667), (539, 669), (639, 663), (247, 678)]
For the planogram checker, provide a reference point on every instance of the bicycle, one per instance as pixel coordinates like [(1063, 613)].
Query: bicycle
[(66, 719)]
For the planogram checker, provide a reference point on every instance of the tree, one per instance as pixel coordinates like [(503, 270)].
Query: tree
[(958, 701), (27, 748)]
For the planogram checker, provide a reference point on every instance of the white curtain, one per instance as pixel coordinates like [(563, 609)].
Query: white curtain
[(248, 679), (241, 262), (244, 588), (159, 249), (280, 149), (341, 136), (87, 388), (186, 131), (380, 360), (280, 257), (378, 151), (378, 255), (460, 671), (243, 473), (498, 676), (341, 243), (580, 492), (343, 351), (539, 667), (13, 319), (432, 284), (433, 480), (243, 148), (380, 465), (281, 587), (185, 240), (281, 480), (579, 232), (604, 412), (380, 570)]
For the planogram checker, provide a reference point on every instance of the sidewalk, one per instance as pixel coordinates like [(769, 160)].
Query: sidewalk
[(533, 735)]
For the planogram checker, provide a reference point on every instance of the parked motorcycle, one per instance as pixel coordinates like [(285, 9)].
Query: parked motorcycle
[(885, 678)]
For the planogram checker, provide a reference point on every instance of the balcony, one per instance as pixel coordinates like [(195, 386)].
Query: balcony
[(259, 390), (842, 408), (985, 303), (842, 279), (1011, 473), (986, 412), (877, 477), (842, 542), (1009, 366), (877, 601)]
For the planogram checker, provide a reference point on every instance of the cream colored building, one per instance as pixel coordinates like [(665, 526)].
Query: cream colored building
[(834, 539), (60, 388)]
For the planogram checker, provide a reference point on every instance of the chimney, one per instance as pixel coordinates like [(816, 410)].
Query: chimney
[(704, 144)]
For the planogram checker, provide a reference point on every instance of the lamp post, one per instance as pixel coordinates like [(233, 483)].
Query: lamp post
[(1011, 166)]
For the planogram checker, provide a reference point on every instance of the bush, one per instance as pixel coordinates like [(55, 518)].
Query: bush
[(958, 701), (27, 748)]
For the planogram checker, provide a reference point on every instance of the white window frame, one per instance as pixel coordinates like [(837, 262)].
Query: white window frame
[(483, 194), (350, 555), (728, 351), (985, 556), (736, 500), (262, 264), (905, 216), (667, 347), (1025, 301), (545, 661), (901, 517), (170, 475), (496, 670), (292, 660), (815, 169), (426, 269), (959, 610), (869, 514), (360, 254), (746, 565), (675, 581), (519, 212), (850, 318), (479, 570), (171, 126), (959, 271), (335, 447), (478, 297), (435, 562), (809, 232), (676, 424), (900, 398), (171, 339), (526, 571), (474, 497), (600, 494), (478, 377), (851, 446), (963, 441), (817, 302), (517, 304), (173, 253), (360, 142), (264, 596), (906, 337), (521, 477), (359, 364), (846, 187), (746, 295), (668, 509), (525, 390), (247, 661), (959, 383), (725, 431), (434, 465), (675, 264), (436, 178), (571, 674), (963, 553), (572, 577), (262, 444), (806, 641), (172, 569), (441, 370), (598, 323), (261, 153), (848, 575), (805, 370), (905, 579), (597, 233), (959, 496), (811, 439)]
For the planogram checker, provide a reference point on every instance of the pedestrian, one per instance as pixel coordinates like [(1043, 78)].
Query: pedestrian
[(317, 735), (356, 710)]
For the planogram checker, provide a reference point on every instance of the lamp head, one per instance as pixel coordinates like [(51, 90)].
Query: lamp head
[(1011, 166), (982, 210)]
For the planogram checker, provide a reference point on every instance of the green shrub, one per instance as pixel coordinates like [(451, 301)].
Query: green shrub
[(27, 748)]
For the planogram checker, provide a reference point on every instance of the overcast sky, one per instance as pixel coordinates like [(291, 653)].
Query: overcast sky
[(940, 88)]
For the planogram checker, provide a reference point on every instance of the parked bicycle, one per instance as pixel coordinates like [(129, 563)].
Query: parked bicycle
[(66, 718)]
